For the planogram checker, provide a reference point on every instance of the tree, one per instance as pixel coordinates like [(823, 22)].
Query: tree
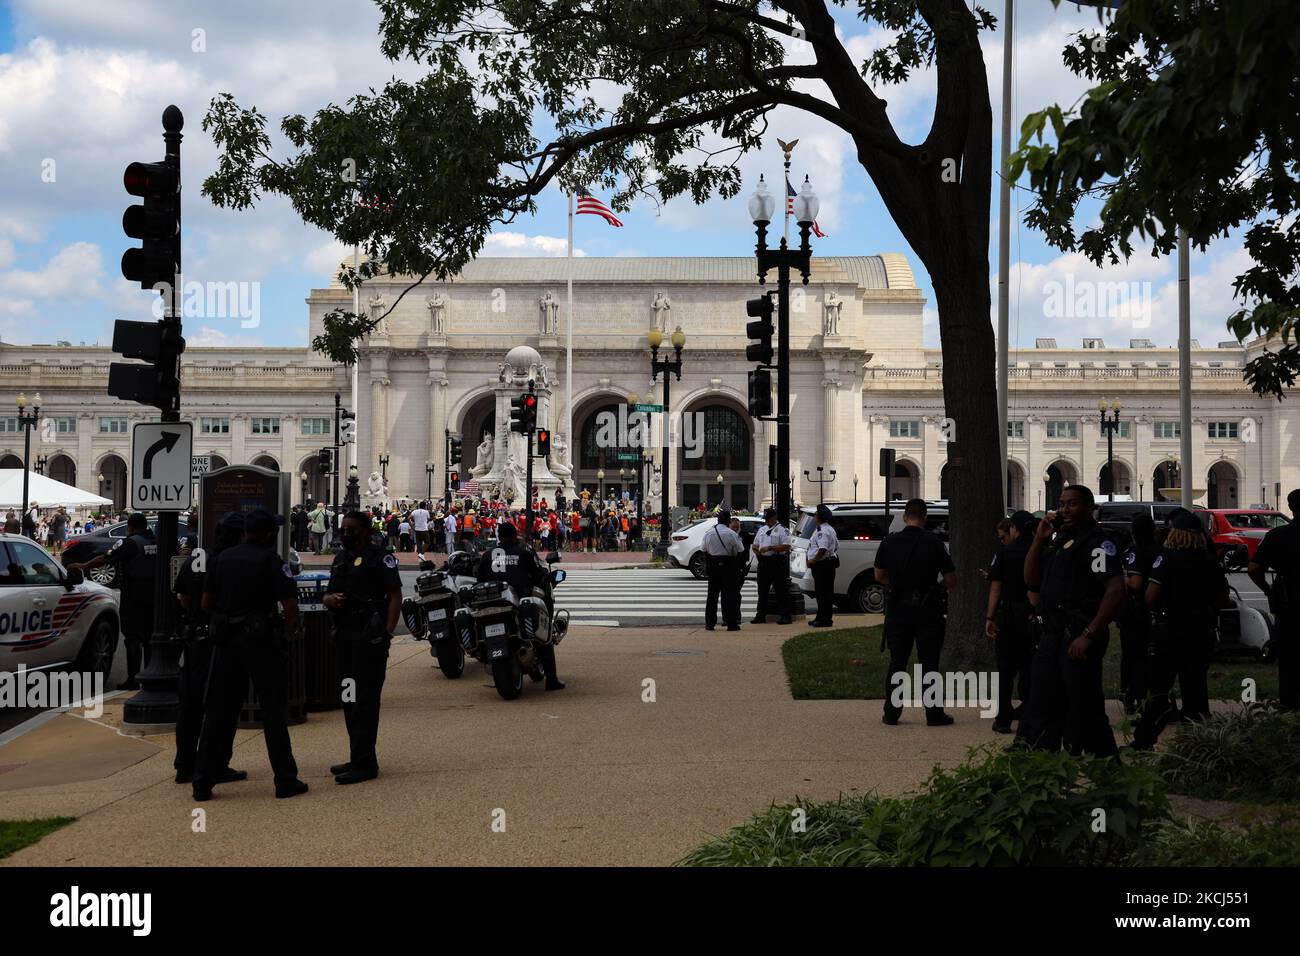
[(692, 83), (1192, 124)]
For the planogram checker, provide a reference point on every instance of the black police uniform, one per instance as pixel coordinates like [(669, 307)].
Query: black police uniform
[(1135, 627), (367, 576), (1192, 586), (518, 566), (915, 559), (1067, 704), (246, 583), (196, 663), (136, 558), (1280, 552), (1016, 638)]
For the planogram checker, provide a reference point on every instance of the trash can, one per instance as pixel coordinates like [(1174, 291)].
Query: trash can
[(322, 659), (250, 714)]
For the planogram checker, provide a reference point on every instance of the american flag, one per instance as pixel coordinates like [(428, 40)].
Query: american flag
[(591, 206), (789, 208)]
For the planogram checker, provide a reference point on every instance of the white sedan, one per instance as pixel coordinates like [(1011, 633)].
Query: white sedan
[(686, 547), (50, 617)]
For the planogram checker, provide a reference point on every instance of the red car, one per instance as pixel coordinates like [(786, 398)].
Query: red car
[(1237, 532)]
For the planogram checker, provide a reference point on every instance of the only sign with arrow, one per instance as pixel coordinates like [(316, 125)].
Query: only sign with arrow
[(160, 466)]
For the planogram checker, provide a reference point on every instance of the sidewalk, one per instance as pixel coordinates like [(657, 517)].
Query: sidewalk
[(589, 775)]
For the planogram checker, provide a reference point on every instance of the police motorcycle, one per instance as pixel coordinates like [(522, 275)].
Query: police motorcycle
[(501, 629), (430, 615)]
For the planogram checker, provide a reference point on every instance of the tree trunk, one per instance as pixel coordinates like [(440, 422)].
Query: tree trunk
[(974, 458)]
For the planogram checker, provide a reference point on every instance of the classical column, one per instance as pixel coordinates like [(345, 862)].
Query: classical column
[(830, 391), (85, 454), (874, 479), (377, 439), (289, 449), (438, 424)]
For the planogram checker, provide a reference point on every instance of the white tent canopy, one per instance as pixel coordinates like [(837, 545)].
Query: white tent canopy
[(46, 492)]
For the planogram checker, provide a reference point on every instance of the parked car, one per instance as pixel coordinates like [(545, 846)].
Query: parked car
[(860, 526), (1237, 532), (686, 547), (1117, 516), (50, 617), (82, 548)]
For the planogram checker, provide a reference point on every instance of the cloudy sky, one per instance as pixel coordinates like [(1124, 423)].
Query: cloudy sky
[(83, 83)]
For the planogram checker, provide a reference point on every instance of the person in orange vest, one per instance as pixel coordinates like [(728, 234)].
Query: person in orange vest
[(623, 524), (469, 526)]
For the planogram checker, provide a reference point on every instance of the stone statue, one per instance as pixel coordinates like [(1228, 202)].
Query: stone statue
[(550, 309), (513, 482), (831, 312), (437, 306), (486, 455), (375, 486), (377, 304), (557, 461), (661, 305), (654, 485)]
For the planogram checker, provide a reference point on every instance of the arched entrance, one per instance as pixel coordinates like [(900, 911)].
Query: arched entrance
[(602, 436), (907, 481), (317, 487), (1222, 490), (717, 439), (1164, 476), (1058, 474), (111, 481), (266, 461), (1123, 480), (11, 461), (64, 469), (945, 492), (478, 421), (218, 462), (1015, 486)]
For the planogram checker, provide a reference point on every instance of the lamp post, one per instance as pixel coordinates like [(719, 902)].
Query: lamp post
[(354, 490), (722, 495), (762, 205), (1047, 478), (27, 420), (41, 463), (429, 469), (600, 484), (303, 477), (821, 482), (383, 467), (855, 487), (668, 367), (1110, 425)]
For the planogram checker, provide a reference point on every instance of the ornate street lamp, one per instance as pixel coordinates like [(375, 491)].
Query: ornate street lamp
[(1110, 425), (667, 367), (27, 421)]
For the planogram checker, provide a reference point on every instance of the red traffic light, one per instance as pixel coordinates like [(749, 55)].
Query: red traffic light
[(150, 179), (455, 477), (530, 402)]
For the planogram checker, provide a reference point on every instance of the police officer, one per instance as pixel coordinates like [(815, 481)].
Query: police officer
[(823, 559), (772, 545), (365, 595), (517, 564), (723, 551), (1186, 587), (196, 662), (241, 591), (1280, 552), (1075, 566), (136, 560), (1135, 616), (913, 564), (1009, 619)]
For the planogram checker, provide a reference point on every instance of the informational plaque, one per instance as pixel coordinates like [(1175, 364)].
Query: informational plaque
[(242, 488)]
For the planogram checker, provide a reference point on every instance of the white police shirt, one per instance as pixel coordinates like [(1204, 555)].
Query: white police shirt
[(720, 541), (769, 537), (824, 539), (450, 524)]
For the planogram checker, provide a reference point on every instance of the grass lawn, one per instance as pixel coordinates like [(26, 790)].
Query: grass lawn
[(16, 834), (848, 665)]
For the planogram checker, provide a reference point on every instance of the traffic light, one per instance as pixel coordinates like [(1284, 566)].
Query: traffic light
[(157, 223), (543, 442), (325, 460), (759, 331), (760, 393), (453, 450), (158, 382), (523, 413), (530, 411), (455, 477)]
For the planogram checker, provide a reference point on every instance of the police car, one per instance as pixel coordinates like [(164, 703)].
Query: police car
[(50, 617)]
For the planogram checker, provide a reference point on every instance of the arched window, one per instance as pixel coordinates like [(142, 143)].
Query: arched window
[(726, 440), (600, 435)]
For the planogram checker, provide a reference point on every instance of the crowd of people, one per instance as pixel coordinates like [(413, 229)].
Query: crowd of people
[(51, 529)]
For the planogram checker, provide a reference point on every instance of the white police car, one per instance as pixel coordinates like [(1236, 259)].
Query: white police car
[(50, 617)]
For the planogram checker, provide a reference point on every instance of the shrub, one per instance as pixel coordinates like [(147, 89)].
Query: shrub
[(1249, 754), (1201, 843)]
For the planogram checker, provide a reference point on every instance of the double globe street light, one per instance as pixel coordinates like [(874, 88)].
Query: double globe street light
[(673, 366)]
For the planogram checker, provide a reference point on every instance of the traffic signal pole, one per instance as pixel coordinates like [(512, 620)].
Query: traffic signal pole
[(157, 703), (338, 446)]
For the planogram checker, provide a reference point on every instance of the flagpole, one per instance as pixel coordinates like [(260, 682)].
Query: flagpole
[(568, 349)]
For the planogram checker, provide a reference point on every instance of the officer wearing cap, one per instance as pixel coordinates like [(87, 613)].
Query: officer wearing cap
[(1075, 565), (914, 565), (365, 595), (723, 553), (1185, 589), (772, 546), (243, 590), (517, 564), (1010, 615), (196, 661), (1280, 552), (823, 559), (136, 560)]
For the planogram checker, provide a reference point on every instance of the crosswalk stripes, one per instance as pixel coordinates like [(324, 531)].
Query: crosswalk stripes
[(634, 596)]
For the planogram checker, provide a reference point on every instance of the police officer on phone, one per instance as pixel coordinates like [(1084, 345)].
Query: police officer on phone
[(365, 596), (772, 545), (1280, 552), (723, 552), (1075, 567), (243, 589), (916, 568), (136, 560), (517, 565), (1009, 620), (196, 661)]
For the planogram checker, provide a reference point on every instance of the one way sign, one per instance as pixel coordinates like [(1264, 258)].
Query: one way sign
[(160, 466)]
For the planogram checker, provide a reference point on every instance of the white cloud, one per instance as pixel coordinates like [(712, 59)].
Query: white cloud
[(522, 244), (73, 273)]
